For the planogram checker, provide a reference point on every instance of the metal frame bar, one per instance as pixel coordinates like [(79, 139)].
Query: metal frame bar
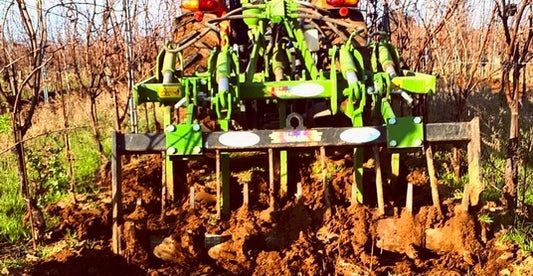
[(436, 133)]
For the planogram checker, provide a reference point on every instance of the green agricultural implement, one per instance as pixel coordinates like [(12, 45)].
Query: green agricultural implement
[(287, 75)]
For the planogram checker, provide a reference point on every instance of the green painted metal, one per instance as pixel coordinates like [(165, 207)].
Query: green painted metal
[(302, 46), (386, 110), (184, 139), (169, 165), (283, 172), (405, 132), (283, 154), (223, 102), (345, 86), (394, 172), (357, 185), (276, 11), (157, 92), (251, 16), (223, 64), (417, 83), (383, 54)]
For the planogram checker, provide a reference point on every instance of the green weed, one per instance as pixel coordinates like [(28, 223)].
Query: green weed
[(522, 235), (212, 220), (86, 159), (47, 251), (13, 263), (485, 218), (247, 176)]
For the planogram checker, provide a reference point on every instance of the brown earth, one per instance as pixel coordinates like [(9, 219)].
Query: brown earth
[(299, 236)]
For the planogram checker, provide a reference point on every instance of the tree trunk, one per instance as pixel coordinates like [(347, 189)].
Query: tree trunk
[(510, 188), (95, 127), (114, 95), (456, 162), (24, 183), (66, 140), (158, 127), (68, 153), (114, 90), (146, 119), (456, 153)]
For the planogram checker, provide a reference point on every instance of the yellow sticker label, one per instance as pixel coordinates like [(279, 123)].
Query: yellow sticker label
[(170, 91)]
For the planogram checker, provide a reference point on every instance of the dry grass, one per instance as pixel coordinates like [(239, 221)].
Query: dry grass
[(49, 117)]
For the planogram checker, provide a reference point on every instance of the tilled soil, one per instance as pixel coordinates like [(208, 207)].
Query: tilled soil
[(299, 235)]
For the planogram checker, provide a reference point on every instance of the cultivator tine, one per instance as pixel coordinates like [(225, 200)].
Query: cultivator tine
[(218, 184), (409, 198), (245, 194), (163, 188), (225, 179), (191, 197), (357, 186), (271, 177), (168, 176), (283, 173), (433, 179), (395, 169), (283, 176), (325, 179), (298, 190), (222, 183), (379, 182)]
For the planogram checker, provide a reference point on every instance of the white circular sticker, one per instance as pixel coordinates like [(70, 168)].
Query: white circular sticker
[(360, 135), (239, 139), (307, 89)]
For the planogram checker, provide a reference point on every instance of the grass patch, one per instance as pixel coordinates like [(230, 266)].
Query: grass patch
[(86, 159), (11, 203), (47, 251), (5, 124), (522, 235), (47, 171), (485, 218), (47, 164)]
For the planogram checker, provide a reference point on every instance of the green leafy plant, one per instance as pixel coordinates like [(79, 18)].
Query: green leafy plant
[(48, 173)]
